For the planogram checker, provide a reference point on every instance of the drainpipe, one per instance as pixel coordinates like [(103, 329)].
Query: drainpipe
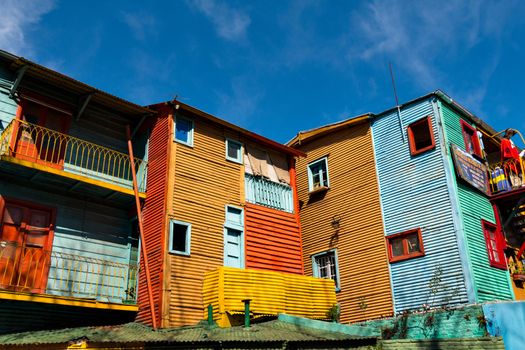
[(141, 228), (246, 312)]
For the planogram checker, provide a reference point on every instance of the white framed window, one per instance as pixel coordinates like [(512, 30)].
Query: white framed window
[(318, 175), (184, 131), (324, 265), (234, 151), (180, 237)]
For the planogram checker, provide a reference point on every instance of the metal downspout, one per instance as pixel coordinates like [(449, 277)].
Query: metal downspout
[(141, 228)]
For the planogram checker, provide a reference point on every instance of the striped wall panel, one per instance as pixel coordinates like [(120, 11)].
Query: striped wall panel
[(490, 283), (204, 182), (354, 197), (272, 240), (154, 218), (414, 194)]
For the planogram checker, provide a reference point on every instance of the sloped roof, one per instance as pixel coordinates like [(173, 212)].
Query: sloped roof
[(137, 333)]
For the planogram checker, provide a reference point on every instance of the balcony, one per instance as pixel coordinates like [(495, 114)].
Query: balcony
[(506, 176), (32, 270), (271, 293), (268, 193), (54, 152)]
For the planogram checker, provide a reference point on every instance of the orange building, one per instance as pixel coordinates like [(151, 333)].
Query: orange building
[(218, 195), (341, 216)]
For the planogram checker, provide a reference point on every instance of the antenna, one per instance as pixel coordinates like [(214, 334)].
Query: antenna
[(397, 101)]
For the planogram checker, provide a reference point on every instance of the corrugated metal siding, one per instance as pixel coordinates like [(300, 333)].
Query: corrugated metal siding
[(414, 194), (7, 105), (353, 196), (490, 283), (154, 217), (271, 293), (272, 240), (204, 183)]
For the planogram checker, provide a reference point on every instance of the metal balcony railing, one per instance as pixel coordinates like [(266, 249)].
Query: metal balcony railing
[(268, 193), (506, 175), (34, 270), (41, 145)]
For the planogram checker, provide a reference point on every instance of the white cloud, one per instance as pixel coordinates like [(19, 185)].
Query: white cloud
[(19, 16), (419, 37), (241, 103), (142, 25), (231, 24)]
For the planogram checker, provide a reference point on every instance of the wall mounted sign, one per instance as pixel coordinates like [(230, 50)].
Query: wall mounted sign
[(470, 169)]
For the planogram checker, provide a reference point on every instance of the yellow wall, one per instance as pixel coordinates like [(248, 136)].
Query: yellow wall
[(270, 293), (354, 197)]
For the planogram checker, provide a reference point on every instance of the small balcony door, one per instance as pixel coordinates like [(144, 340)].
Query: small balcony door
[(26, 237), (40, 134), (233, 237)]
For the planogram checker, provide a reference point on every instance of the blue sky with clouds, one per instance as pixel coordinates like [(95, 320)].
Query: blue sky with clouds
[(277, 67)]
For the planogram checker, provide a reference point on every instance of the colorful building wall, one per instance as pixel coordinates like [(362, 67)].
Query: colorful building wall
[(201, 183), (353, 197), (490, 283), (415, 193)]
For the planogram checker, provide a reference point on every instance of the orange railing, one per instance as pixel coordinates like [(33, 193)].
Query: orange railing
[(32, 269), (54, 149), (506, 175)]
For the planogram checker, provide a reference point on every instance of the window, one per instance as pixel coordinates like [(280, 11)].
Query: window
[(324, 265), (180, 237), (318, 175), (405, 245), (495, 245), (234, 151), (421, 136), (184, 131), (470, 137)]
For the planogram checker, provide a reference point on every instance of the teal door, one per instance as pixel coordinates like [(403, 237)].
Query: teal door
[(233, 248)]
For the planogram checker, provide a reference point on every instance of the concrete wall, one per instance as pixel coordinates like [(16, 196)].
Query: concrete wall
[(507, 320), (438, 324)]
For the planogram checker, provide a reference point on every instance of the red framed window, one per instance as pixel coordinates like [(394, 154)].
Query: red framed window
[(471, 139), (495, 245), (405, 245), (421, 136)]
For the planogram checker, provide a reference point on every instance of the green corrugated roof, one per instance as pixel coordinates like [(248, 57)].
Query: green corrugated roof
[(135, 332)]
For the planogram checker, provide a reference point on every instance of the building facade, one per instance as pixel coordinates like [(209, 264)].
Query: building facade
[(68, 237), (225, 198)]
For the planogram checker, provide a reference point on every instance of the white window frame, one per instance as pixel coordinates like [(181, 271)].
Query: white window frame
[(237, 227), (315, 267), (239, 159), (311, 175), (187, 244), (190, 133)]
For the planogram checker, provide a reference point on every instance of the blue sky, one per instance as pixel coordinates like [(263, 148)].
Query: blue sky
[(277, 67)]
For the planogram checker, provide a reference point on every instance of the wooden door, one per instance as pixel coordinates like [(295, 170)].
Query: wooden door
[(40, 136), (233, 248), (25, 247)]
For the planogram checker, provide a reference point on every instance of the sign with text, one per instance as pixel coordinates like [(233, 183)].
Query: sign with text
[(470, 169)]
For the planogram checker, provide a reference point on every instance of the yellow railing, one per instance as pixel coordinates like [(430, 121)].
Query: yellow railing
[(506, 175), (38, 144), (34, 270), (271, 293)]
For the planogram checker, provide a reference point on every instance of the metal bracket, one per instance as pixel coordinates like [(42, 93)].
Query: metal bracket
[(20, 74), (87, 98)]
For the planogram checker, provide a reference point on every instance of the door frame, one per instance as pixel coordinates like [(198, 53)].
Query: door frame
[(236, 227)]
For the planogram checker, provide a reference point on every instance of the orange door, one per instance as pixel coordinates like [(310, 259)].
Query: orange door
[(40, 136), (25, 241)]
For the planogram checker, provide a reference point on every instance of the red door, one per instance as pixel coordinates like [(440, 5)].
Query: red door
[(25, 247), (40, 136)]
